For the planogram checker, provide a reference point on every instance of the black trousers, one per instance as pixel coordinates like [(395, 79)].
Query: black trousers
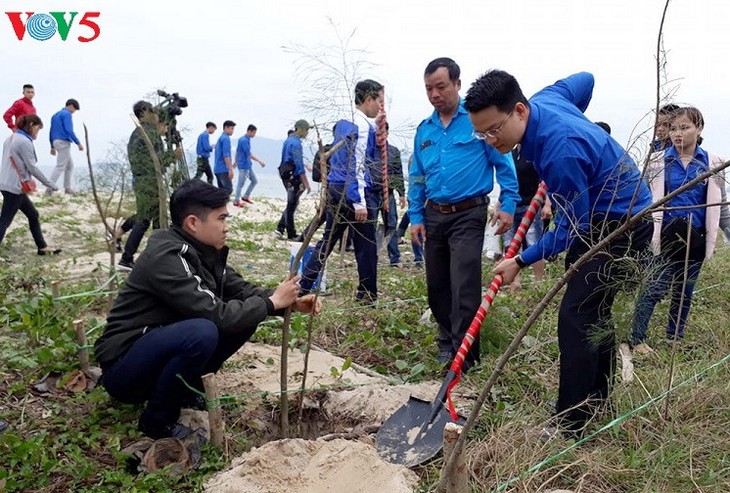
[(14, 202), (294, 190), (586, 334), (454, 274), (340, 216), (204, 167)]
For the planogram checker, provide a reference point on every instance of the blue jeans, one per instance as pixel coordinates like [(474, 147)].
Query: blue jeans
[(244, 174), (224, 182), (149, 370), (534, 233), (417, 249), (666, 275), (390, 219)]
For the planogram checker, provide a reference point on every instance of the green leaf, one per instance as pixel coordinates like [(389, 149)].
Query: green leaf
[(346, 364), (401, 365), (419, 368)]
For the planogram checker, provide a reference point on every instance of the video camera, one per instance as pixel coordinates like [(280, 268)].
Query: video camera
[(170, 107)]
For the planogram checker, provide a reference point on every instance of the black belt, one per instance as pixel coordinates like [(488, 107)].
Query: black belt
[(459, 206)]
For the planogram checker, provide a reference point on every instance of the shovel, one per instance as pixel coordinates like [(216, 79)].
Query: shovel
[(414, 433)]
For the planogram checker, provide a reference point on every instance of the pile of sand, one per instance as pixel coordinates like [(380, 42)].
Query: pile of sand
[(301, 466)]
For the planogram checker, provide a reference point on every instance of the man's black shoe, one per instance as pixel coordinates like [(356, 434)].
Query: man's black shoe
[(196, 402), (175, 430)]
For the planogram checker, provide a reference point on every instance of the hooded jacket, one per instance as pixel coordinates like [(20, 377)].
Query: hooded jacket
[(177, 278)]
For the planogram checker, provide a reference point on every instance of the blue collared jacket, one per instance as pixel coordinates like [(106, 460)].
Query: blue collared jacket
[(62, 127), (349, 164), (292, 151), (588, 174), (450, 165), (222, 150), (243, 153), (204, 148)]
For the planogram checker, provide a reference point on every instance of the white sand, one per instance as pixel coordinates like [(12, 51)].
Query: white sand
[(302, 466)]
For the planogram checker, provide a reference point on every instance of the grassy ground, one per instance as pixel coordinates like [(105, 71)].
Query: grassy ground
[(71, 442)]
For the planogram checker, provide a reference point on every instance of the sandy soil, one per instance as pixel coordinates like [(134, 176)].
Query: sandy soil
[(302, 466)]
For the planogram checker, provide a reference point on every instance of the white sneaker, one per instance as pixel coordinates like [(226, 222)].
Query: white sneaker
[(627, 366)]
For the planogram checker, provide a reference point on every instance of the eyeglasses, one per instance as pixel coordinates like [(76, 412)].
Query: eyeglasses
[(491, 134)]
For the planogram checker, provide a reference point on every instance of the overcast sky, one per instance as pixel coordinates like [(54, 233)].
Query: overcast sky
[(228, 59)]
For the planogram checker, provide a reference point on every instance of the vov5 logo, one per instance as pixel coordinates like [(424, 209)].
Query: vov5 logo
[(44, 26)]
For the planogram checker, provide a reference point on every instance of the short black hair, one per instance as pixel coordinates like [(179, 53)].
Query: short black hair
[(195, 197), (229, 123), (448, 63), (669, 109), (289, 132), (494, 88), (251, 127), (605, 126), (28, 86), (211, 124), (141, 107), (73, 102), (367, 88)]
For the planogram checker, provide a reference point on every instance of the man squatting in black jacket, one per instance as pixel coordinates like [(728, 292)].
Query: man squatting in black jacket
[(183, 311)]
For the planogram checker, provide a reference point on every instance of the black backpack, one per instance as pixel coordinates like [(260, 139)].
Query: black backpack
[(286, 170), (317, 170)]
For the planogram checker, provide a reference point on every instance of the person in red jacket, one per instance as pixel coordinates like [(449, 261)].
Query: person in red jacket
[(23, 106)]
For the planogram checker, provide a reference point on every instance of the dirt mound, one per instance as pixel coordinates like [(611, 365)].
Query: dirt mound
[(302, 466)]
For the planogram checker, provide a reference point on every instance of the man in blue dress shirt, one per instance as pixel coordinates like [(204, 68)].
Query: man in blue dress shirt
[(62, 135), (451, 175), (595, 186), (203, 150), (223, 167)]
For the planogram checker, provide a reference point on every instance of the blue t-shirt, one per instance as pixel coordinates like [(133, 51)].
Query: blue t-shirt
[(586, 171), (222, 150), (243, 153)]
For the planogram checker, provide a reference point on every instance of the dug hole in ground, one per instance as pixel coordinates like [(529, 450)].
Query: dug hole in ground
[(319, 462)]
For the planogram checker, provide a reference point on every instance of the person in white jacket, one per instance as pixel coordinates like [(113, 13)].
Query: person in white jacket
[(685, 233), (19, 163)]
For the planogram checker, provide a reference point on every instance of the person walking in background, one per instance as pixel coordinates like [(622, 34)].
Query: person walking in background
[(223, 167), (144, 181), (19, 163), (351, 201), (245, 170), (668, 170), (23, 106), (451, 176), (61, 136), (294, 177), (203, 149)]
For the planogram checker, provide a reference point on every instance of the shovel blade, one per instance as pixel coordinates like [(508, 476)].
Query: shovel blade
[(413, 434)]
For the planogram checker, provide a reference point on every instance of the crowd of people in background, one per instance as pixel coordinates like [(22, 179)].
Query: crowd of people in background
[(466, 145)]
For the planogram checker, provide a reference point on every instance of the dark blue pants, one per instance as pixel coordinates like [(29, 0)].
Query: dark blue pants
[(585, 328), (14, 202), (224, 182), (149, 370), (454, 274), (417, 249), (339, 216), (286, 223)]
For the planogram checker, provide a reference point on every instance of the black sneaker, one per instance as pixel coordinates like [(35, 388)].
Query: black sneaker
[(175, 430), (126, 265), (196, 402)]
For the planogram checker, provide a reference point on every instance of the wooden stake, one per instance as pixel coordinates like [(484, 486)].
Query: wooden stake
[(83, 352), (456, 479), (215, 417), (55, 288)]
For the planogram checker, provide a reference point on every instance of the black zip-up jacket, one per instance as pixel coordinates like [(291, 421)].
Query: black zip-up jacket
[(177, 278)]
